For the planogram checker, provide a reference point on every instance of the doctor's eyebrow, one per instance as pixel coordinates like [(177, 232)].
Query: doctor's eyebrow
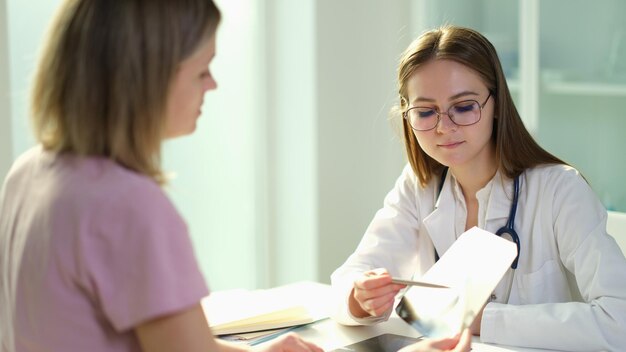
[(454, 97)]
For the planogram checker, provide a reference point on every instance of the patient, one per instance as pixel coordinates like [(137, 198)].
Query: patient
[(93, 255)]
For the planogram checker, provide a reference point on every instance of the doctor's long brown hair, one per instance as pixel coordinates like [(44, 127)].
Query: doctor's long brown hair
[(516, 150)]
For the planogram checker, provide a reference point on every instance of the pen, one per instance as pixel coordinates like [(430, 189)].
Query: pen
[(416, 283)]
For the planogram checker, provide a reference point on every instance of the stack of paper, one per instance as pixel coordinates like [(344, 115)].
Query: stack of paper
[(244, 311), (290, 316)]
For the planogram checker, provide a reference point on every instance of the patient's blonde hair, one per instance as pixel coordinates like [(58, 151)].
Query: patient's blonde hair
[(103, 77)]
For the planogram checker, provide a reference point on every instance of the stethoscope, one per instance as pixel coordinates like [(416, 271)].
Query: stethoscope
[(508, 230)]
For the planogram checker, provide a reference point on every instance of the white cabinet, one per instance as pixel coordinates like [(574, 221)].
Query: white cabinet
[(565, 61), (582, 92)]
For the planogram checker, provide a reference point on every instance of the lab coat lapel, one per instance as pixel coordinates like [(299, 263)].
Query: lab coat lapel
[(440, 223), (499, 204)]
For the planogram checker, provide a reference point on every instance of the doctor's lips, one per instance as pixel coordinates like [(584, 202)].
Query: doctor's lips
[(450, 144)]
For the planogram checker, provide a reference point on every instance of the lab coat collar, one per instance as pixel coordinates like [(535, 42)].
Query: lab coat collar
[(500, 200), (440, 223)]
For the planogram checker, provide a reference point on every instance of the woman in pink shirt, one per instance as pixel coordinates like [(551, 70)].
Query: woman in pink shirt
[(93, 255)]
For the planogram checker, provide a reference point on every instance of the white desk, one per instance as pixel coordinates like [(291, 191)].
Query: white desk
[(330, 335), (325, 333)]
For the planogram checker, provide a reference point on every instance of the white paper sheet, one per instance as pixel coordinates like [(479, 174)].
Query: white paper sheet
[(472, 268)]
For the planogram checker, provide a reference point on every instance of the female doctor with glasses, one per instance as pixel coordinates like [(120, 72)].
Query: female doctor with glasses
[(473, 163)]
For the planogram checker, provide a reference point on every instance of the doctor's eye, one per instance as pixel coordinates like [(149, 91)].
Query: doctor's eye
[(424, 113), (464, 107)]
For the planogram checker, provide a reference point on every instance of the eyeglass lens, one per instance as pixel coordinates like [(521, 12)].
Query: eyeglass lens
[(462, 113)]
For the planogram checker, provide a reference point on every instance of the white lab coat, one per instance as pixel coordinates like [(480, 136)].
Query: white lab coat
[(569, 290)]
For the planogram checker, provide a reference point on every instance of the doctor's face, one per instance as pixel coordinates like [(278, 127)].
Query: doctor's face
[(442, 84)]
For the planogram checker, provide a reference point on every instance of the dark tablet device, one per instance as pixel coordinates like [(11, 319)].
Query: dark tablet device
[(380, 343)]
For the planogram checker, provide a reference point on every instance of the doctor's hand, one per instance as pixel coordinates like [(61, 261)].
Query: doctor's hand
[(459, 343), (373, 294)]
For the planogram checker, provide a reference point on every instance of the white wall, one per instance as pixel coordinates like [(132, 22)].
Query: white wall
[(6, 146), (219, 180), (358, 43), (292, 141), (21, 31)]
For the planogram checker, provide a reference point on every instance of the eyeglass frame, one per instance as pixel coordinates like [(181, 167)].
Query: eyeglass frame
[(405, 114)]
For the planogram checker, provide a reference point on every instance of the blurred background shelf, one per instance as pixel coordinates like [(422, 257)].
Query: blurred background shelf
[(585, 88), (568, 78)]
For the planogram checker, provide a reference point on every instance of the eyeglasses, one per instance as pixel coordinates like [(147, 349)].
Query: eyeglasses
[(462, 113)]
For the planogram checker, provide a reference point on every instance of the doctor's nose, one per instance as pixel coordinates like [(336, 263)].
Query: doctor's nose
[(445, 123)]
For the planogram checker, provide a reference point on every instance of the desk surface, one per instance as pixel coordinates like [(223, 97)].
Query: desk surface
[(329, 335), (326, 333)]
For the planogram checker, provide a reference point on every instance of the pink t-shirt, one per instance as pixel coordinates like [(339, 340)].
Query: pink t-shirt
[(91, 251)]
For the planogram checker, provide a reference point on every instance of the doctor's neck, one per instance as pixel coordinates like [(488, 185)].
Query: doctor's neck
[(473, 179)]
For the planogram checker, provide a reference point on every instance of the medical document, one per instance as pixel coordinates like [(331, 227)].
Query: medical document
[(471, 268)]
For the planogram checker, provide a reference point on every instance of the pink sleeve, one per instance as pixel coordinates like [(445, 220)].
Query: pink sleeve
[(139, 261)]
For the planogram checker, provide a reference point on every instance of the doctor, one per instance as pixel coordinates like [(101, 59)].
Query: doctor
[(473, 163)]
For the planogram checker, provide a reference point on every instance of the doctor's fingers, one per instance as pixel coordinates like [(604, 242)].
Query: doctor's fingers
[(375, 287), (375, 306), (372, 281)]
